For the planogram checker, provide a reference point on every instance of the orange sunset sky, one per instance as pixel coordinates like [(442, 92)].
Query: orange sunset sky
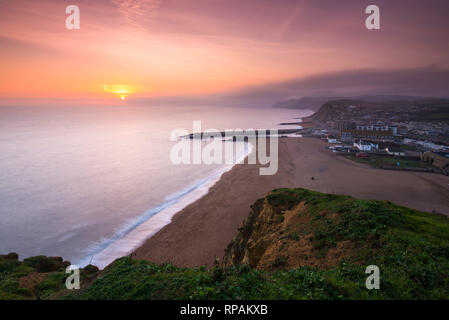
[(154, 48)]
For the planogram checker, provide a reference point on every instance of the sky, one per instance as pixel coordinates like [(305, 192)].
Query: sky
[(145, 50)]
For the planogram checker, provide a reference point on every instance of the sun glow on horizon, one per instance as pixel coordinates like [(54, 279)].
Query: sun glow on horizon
[(145, 49), (122, 91)]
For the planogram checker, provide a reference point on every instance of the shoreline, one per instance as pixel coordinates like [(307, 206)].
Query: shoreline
[(199, 233), (132, 236), (189, 227)]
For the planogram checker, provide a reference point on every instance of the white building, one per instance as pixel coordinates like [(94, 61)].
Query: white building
[(365, 145), (395, 151)]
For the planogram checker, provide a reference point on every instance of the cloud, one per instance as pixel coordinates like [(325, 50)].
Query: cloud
[(430, 81), (426, 81)]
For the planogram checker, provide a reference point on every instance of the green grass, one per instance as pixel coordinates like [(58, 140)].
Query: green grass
[(411, 249), (49, 272), (391, 162), (131, 279)]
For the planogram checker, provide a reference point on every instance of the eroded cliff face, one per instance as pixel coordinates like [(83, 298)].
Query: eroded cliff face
[(288, 229), (283, 235)]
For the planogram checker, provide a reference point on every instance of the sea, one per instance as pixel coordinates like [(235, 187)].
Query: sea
[(92, 183)]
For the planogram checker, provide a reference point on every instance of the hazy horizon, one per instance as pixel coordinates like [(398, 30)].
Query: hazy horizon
[(250, 53)]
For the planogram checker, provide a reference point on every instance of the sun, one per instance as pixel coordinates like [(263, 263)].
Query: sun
[(122, 91)]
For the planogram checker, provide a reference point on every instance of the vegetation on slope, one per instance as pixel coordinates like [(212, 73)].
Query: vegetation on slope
[(37, 277), (411, 249)]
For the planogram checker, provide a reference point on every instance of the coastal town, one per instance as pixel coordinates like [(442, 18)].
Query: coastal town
[(390, 135)]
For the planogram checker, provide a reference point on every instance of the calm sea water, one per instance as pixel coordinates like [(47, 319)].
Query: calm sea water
[(91, 183)]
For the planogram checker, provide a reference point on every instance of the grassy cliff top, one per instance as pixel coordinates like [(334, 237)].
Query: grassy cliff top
[(295, 244)]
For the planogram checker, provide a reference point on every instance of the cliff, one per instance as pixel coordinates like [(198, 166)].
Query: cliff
[(295, 244), (350, 109), (283, 231)]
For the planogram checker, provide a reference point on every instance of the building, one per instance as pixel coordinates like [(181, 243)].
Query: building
[(350, 135), (344, 125), (365, 145), (364, 127), (395, 151), (346, 135), (332, 139), (372, 127)]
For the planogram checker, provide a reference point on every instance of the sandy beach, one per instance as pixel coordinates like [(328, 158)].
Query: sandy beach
[(200, 233)]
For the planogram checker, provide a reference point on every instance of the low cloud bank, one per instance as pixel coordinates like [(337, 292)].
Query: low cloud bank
[(431, 81)]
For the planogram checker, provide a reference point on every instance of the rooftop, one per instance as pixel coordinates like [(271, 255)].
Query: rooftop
[(368, 132)]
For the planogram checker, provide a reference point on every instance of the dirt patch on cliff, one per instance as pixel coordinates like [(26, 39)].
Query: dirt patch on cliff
[(289, 244), (32, 279)]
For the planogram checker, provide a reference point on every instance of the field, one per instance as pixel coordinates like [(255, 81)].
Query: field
[(389, 162)]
